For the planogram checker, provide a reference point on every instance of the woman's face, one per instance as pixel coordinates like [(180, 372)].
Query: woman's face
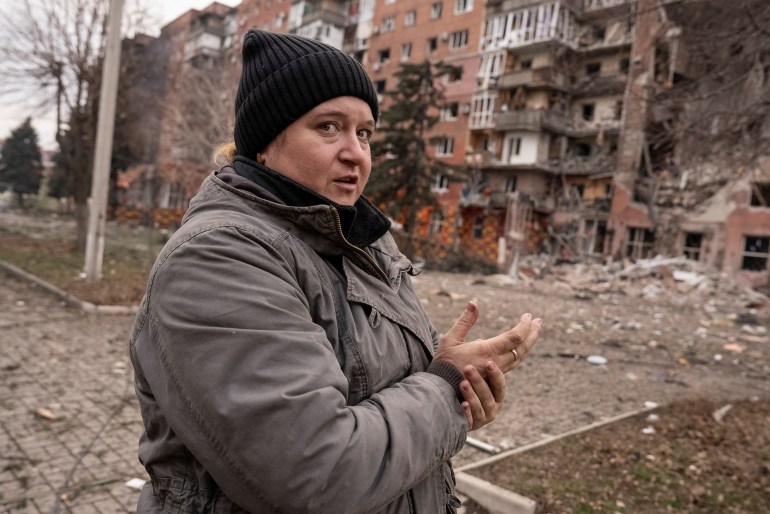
[(327, 149)]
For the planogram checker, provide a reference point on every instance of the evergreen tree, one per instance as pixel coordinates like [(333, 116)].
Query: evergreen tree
[(20, 161), (404, 172)]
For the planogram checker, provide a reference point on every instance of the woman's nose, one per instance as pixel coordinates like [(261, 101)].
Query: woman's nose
[(353, 150)]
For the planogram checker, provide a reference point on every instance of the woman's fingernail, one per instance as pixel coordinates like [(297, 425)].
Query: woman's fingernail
[(537, 321), (526, 316)]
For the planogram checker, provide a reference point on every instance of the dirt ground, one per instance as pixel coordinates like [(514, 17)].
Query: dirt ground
[(691, 349), (678, 458)]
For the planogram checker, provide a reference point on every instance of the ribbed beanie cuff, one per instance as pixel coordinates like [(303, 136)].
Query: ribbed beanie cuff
[(286, 76)]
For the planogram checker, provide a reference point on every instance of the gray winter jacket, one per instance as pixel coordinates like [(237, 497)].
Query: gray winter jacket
[(268, 382)]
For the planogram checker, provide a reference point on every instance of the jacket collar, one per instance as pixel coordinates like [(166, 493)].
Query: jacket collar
[(362, 223)]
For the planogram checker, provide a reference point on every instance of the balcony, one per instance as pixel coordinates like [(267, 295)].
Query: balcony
[(334, 18), (595, 5), (541, 77), (498, 6), (593, 165), (487, 199), (601, 86), (532, 120)]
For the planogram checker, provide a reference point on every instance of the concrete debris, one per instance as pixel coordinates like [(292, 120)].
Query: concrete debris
[(135, 484), (679, 280), (721, 412), (45, 413)]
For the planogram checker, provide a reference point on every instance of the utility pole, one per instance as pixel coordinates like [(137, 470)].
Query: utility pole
[(97, 212)]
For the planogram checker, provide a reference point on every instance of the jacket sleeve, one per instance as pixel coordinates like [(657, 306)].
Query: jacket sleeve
[(253, 388)]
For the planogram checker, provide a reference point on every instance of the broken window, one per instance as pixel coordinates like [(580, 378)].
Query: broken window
[(618, 109), (595, 233), (583, 150), (587, 111), (478, 227), (526, 64), (510, 185), (760, 194), (639, 244), (593, 69), (432, 44), (692, 245), (755, 253), (662, 63), (624, 65)]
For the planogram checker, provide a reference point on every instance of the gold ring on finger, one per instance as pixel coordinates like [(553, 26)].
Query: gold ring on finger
[(515, 355)]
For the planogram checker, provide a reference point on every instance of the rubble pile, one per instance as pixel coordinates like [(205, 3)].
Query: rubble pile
[(678, 280)]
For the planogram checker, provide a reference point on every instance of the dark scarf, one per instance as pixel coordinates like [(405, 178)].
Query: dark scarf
[(362, 223)]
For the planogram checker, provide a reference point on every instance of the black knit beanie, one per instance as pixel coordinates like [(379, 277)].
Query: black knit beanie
[(284, 77)]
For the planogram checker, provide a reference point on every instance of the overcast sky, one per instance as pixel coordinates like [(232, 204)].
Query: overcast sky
[(11, 116)]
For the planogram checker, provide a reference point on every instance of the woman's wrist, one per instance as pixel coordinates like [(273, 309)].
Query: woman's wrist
[(448, 372)]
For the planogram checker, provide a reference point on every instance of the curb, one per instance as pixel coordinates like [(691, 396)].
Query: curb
[(547, 440), (492, 497), (68, 298)]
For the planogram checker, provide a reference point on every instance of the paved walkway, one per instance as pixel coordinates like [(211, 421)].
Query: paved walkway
[(68, 416), (69, 421)]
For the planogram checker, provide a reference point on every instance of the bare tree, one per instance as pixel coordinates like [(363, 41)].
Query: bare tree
[(711, 85), (51, 51), (197, 117)]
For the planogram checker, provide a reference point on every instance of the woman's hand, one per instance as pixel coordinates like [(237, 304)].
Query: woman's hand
[(506, 350), (482, 398)]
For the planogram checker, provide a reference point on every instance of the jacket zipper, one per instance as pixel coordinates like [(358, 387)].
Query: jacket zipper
[(369, 258)]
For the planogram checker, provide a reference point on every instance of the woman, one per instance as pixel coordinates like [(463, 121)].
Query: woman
[(283, 361)]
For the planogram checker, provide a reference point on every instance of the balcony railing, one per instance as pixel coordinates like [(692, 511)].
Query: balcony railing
[(532, 120), (493, 199), (533, 78), (592, 5)]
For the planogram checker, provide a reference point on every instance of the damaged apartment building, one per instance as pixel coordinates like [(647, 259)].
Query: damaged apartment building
[(591, 129), (623, 129)]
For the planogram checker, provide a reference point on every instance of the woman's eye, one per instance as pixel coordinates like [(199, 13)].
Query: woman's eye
[(328, 127)]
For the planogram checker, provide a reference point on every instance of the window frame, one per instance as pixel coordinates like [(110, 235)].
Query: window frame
[(440, 183), (691, 252), (463, 6), (444, 147), (436, 222), (754, 255), (458, 39), (410, 18), (388, 24), (477, 231), (640, 243), (450, 111), (760, 195)]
